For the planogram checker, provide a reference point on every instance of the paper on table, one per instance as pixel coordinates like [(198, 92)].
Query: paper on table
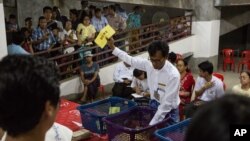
[(106, 32), (135, 95), (113, 110)]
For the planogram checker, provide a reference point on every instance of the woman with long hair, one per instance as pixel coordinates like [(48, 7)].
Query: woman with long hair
[(187, 84)]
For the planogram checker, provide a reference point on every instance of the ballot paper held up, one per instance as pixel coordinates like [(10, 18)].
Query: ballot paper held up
[(106, 32)]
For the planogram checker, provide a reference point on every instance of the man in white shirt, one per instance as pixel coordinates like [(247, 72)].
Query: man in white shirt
[(123, 76), (207, 88), (163, 78)]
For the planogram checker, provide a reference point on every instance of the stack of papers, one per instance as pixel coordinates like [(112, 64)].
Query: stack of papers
[(135, 95)]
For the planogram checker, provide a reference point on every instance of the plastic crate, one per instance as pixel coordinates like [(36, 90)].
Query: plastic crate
[(143, 101), (133, 125), (92, 114), (174, 132)]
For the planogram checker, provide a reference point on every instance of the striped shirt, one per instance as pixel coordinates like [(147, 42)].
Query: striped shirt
[(38, 34)]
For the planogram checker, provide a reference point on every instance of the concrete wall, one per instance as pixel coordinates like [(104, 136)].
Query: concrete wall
[(204, 10), (182, 4), (65, 5), (236, 39), (231, 2), (233, 18), (207, 34), (248, 37), (74, 85), (3, 44)]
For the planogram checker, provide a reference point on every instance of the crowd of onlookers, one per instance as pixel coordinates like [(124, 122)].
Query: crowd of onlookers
[(57, 35), (80, 28)]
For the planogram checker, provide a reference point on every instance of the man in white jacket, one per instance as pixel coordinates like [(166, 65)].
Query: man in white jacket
[(163, 78)]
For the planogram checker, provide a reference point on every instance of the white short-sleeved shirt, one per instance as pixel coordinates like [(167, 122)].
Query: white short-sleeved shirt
[(121, 71), (238, 90), (211, 93), (143, 84)]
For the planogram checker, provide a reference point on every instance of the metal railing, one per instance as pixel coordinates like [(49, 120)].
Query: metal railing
[(172, 30)]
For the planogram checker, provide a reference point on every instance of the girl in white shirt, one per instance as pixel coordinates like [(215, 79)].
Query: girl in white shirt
[(139, 83)]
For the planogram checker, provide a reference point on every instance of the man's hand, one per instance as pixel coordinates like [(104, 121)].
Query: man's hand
[(138, 90), (79, 42), (86, 82), (111, 43), (208, 85), (126, 81)]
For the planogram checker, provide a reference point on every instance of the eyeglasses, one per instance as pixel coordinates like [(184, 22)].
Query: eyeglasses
[(156, 61)]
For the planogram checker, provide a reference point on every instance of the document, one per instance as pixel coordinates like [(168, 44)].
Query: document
[(106, 32)]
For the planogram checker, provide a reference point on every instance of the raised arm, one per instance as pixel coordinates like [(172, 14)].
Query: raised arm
[(135, 62)]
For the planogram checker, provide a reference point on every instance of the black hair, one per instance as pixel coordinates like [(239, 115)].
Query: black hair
[(12, 16), (158, 46), (137, 73), (137, 8), (216, 118), (47, 8), (23, 30), (64, 24), (104, 8), (55, 8), (206, 66), (58, 13), (112, 7), (17, 38), (247, 72), (26, 84), (97, 10), (92, 7), (83, 16), (84, 2), (74, 11), (28, 19), (172, 57), (41, 18)]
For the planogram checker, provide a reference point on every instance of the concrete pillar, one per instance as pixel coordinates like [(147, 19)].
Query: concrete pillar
[(3, 44), (206, 28), (248, 38)]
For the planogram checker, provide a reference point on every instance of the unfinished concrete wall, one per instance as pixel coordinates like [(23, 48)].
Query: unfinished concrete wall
[(182, 4), (233, 18), (236, 40), (231, 2), (65, 5), (204, 10)]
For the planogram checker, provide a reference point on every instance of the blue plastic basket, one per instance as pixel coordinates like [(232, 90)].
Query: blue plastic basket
[(133, 124), (92, 114), (174, 132)]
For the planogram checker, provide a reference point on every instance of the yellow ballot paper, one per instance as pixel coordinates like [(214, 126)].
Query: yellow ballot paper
[(113, 110), (106, 32)]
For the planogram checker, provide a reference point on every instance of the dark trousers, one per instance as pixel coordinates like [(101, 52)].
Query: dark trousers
[(192, 107), (122, 90)]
